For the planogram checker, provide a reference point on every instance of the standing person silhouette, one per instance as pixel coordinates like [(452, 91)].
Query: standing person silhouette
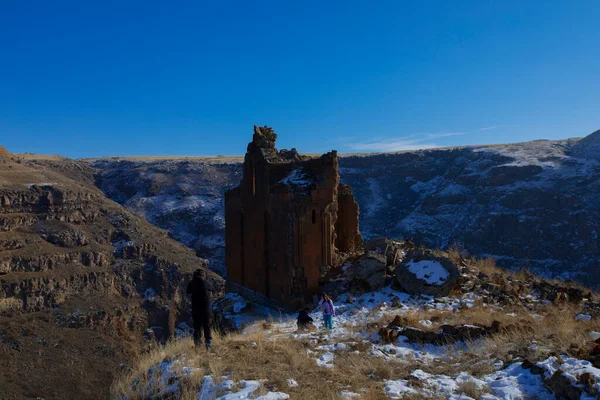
[(201, 309), (328, 310)]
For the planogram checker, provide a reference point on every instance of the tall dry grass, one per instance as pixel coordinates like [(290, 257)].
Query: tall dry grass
[(253, 357)]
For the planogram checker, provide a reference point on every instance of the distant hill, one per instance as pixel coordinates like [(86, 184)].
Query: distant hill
[(588, 147), (530, 205)]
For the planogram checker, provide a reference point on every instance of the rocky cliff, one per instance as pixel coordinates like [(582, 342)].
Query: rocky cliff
[(184, 197), (530, 205), (84, 283)]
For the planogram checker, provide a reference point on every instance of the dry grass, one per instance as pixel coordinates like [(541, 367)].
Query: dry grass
[(487, 265), (253, 357), (472, 390), (139, 372), (549, 328), (10, 304), (554, 331)]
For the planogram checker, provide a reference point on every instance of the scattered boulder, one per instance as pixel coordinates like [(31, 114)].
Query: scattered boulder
[(446, 334), (562, 387), (399, 322), (420, 336), (388, 335), (526, 364), (424, 272), (370, 269), (588, 381), (368, 264), (392, 250), (559, 294)]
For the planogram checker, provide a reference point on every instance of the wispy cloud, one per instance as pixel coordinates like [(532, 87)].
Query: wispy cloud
[(390, 145), (487, 128), (444, 134), (414, 141)]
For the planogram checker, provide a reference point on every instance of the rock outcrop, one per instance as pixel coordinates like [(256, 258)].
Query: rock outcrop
[(425, 272), (73, 260), (370, 269)]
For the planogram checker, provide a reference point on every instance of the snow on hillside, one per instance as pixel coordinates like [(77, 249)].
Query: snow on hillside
[(529, 205), (184, 197)]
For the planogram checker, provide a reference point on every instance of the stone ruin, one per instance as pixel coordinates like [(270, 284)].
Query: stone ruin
[(286, 222)]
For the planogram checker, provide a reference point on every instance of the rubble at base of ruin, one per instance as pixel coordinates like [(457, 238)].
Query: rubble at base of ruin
[(286, 221)]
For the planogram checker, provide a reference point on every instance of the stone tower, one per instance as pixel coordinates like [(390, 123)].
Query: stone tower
[(286, 221)]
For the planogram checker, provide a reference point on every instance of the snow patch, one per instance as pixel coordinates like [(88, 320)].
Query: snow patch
[(292, 383), (296, 178), (429, 271), (325, 360)]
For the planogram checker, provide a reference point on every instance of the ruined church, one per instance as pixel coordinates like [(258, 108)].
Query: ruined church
[(286, 221)]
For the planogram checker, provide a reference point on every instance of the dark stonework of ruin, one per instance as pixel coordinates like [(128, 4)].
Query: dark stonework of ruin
[(287, 221)]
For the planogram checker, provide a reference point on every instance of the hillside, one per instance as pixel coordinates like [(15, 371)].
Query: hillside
[(495, 336), (532, 205), (85, 285)]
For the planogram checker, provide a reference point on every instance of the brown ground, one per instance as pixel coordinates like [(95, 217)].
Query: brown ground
[(40, 359)]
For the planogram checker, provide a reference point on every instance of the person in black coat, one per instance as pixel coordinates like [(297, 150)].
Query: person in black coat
[(304, 320), (201, 309)]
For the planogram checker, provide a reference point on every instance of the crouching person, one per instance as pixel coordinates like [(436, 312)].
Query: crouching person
[(199, 289), (305, 322)]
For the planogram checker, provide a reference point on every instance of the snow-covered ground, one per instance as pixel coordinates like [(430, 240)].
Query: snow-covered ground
[(351, 335)]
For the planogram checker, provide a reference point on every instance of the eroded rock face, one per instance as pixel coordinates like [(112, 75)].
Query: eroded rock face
[(183, 197), (71, 259), (425, 272)]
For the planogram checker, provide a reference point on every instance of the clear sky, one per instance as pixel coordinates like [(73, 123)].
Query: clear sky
[(95, 78)]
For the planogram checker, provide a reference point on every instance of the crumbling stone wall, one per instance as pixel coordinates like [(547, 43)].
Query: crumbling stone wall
[(348, 235), (281, 221)]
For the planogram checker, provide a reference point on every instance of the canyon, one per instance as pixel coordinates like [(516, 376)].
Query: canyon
[(533, 205)]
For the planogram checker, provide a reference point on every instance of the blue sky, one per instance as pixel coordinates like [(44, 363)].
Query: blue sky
[(87, 78)]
